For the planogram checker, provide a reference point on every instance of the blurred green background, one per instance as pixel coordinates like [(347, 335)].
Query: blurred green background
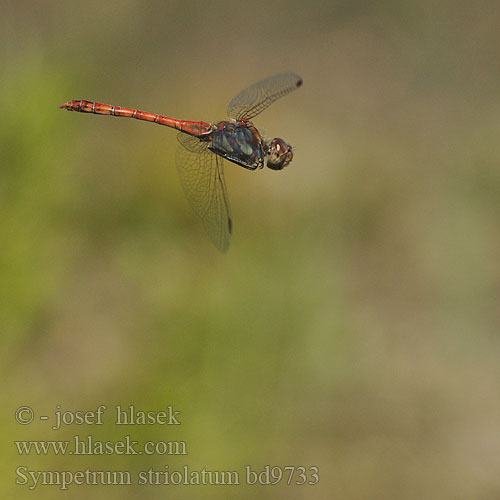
[(354, 323)]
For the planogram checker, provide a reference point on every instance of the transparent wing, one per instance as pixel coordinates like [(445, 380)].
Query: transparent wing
[(255, 99), (202, 177)]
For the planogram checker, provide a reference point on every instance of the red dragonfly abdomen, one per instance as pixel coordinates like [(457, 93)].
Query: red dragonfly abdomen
[(192, 128)]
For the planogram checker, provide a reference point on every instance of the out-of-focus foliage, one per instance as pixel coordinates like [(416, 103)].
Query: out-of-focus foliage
[(354, 323)]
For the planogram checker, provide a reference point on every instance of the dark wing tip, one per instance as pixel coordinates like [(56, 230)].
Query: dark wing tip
[(230, 225), (300, 82)]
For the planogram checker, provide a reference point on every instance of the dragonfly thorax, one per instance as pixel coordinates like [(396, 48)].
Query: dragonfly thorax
[(239, 142)]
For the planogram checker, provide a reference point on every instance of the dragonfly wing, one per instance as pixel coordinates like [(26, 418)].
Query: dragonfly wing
[(202, 177), (258, 97), (192, 143)]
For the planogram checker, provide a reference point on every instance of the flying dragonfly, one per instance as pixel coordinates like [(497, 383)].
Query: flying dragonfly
[(204, 147)]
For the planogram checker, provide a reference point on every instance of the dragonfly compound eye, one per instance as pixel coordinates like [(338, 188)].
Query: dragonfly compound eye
[(279, 154)]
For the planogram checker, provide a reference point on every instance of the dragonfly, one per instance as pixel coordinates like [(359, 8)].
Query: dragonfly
[(204, 147)]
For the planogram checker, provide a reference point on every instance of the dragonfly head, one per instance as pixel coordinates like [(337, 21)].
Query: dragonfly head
[(279, 154)]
